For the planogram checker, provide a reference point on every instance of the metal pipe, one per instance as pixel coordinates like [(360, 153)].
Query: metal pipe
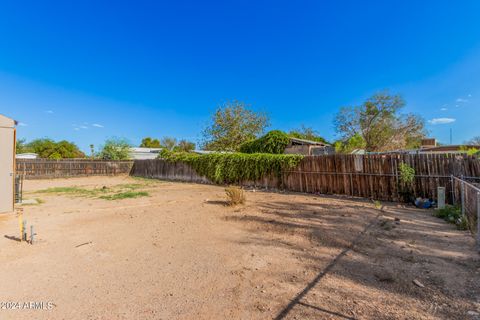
[(31, 234)]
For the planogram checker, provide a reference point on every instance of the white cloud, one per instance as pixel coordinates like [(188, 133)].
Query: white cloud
[(83, 127), (76, 129), (22, 124), (469, 95), (435, 121), (97, 125), (461, 100), (444, 109), (49, 111)]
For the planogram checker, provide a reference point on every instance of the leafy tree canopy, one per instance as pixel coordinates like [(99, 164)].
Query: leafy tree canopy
[(184, 146), (231, 125), (353, 143), (49, 149), (115, 149), (381, 124), (150, 143)]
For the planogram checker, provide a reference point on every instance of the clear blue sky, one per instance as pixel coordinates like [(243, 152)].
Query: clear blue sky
[(88, 70)]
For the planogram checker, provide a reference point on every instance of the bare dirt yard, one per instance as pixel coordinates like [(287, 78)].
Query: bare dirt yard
[(127, 248)]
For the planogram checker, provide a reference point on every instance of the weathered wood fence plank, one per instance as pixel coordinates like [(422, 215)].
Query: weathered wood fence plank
[(369, 176), (46, 168)]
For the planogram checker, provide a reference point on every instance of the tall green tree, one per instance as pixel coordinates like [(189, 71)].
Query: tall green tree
[(381, 124), (307, 133), (232, 124), (150, 143), (49, 149), (21, 146), (184, 146), (351, 144), (115, 149)]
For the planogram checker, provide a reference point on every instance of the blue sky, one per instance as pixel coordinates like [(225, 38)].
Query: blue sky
[(88, 70)]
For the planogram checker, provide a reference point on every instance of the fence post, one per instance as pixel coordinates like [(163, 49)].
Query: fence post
[(452, 182), (478, 221), (351, 184), (441, 197), (462, 193)]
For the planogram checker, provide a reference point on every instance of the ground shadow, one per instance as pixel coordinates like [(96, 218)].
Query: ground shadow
[(13, 238), (406, 242)]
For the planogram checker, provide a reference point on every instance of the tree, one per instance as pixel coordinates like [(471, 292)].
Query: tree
[(92, 151), (381, 125), (168, 143), (49, 149), (21, 146), (233, 124), (184, 146), (150, 143), (307, 133), (353, 143), (115, 149), (474, 141)]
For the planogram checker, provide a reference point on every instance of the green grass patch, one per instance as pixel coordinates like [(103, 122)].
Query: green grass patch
[(75, 191), (62, 190), (116, 192), (126, 195)]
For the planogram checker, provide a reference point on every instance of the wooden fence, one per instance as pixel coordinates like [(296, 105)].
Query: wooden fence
[(369, 176), (46, 168)]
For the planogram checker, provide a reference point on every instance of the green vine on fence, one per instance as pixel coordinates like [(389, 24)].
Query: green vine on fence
[(273, 142), (407, 173), (235, 167)]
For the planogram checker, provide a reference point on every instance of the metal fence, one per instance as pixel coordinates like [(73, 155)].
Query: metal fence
[(466, 193)]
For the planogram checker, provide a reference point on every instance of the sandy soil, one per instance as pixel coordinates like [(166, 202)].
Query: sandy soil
[(182, 254)]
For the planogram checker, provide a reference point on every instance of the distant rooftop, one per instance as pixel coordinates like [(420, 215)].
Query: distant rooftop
[(305, 141)]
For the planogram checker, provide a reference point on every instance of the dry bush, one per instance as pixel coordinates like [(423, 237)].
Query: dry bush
[(235, 195)]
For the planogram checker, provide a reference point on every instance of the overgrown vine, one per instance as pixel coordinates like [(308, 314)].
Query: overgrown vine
[(227, 168)]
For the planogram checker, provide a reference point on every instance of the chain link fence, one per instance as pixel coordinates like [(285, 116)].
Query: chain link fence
[(466, 194)]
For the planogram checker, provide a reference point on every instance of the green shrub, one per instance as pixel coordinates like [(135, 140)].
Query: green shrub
[(407, 173), (273, 142), (234, 167), (453, 214)]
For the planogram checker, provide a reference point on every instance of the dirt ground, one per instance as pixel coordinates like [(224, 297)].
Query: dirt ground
[(181, 253)]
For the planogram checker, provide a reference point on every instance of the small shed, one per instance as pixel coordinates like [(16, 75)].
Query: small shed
[(308, 147), (7, 164)]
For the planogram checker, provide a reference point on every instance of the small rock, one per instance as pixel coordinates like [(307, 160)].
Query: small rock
[(418, 283), (473, 313), (397, 219), (29, 201)]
